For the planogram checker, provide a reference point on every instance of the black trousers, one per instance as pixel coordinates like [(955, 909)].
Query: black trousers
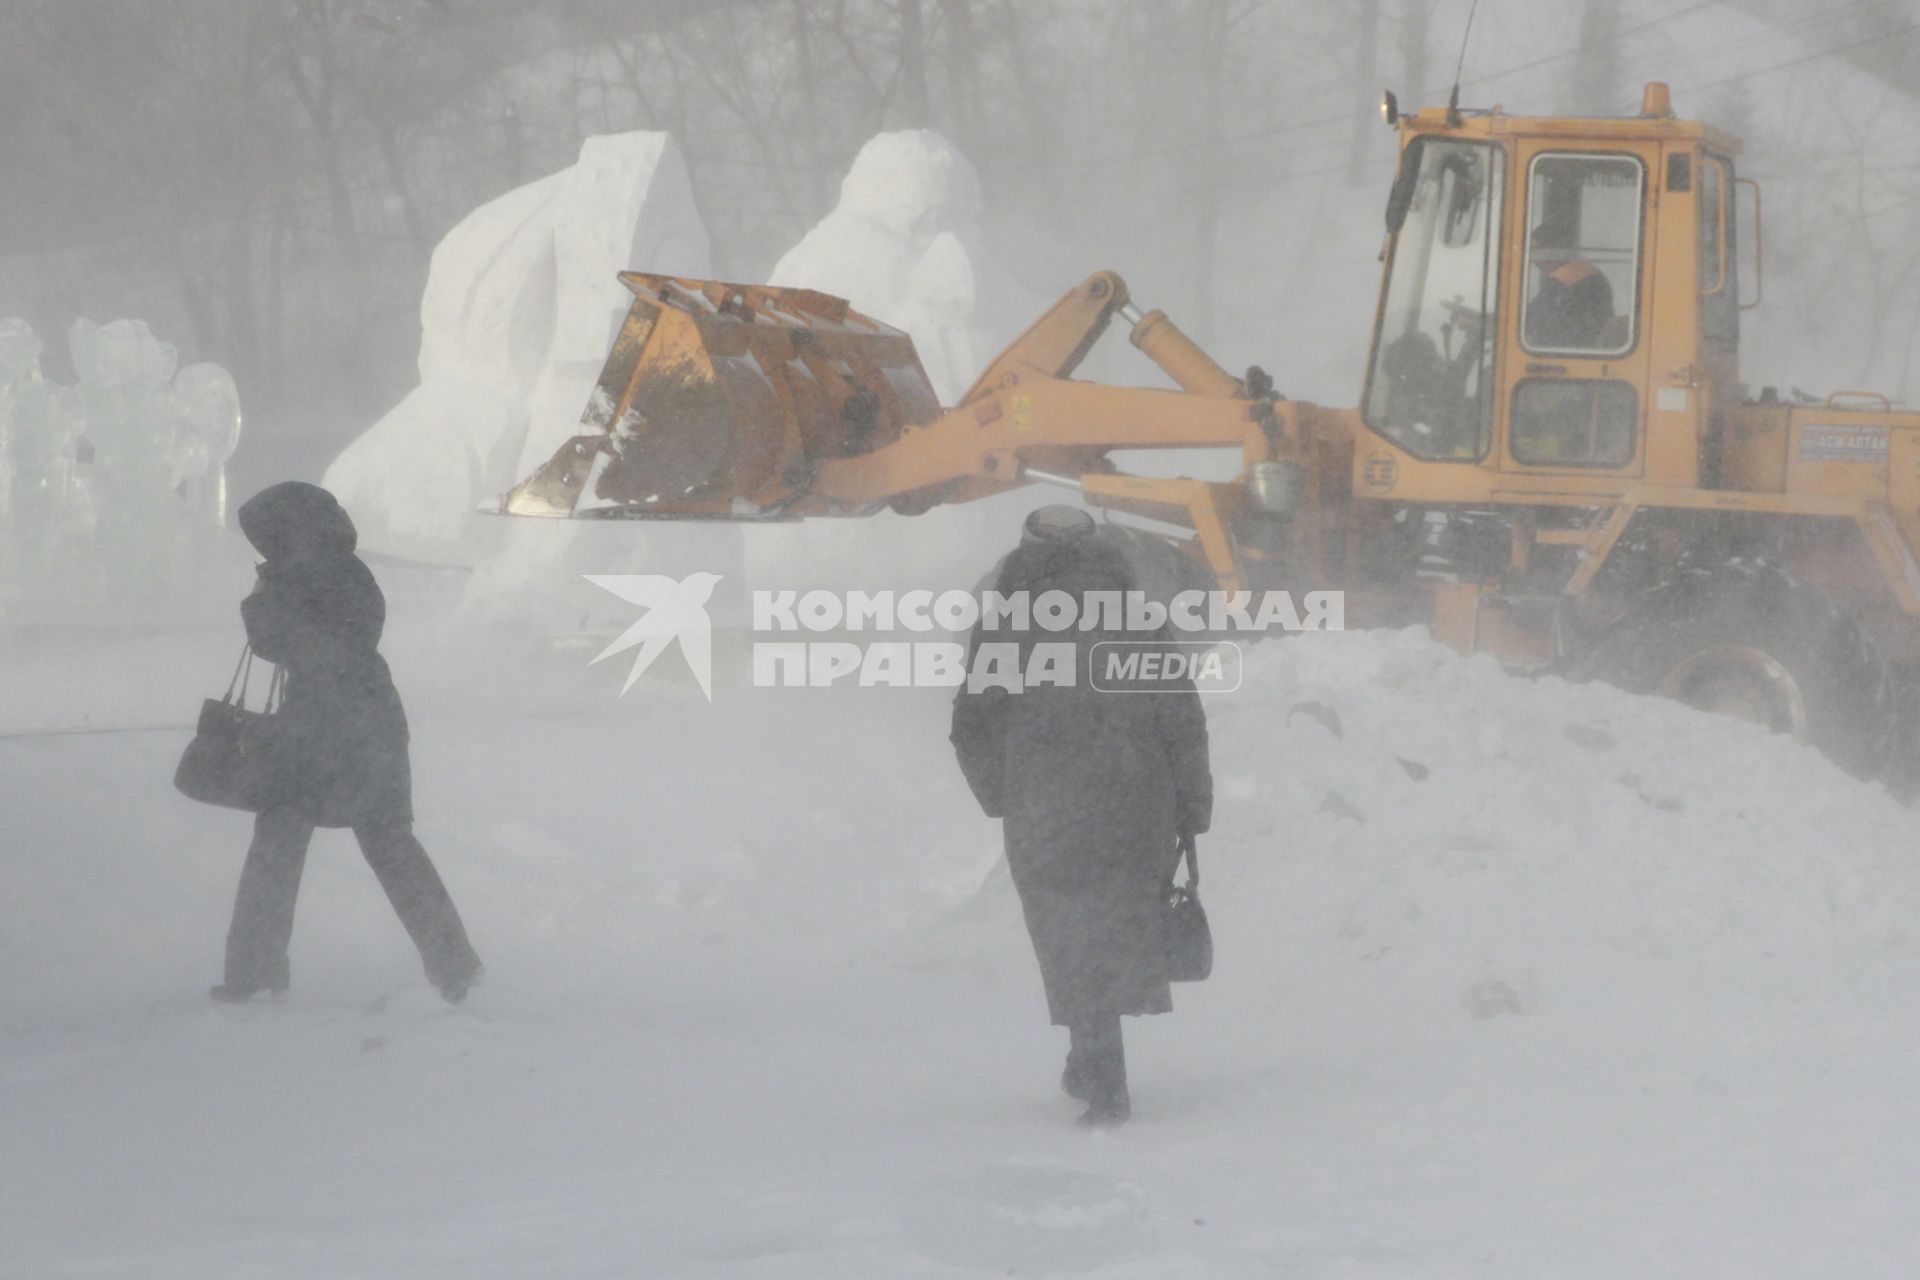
[(270, 884), (1098, 1057)]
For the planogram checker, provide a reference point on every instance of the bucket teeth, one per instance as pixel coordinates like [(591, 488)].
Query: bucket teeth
[(717, 399)]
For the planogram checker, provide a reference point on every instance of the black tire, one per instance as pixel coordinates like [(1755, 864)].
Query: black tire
[(1161, 568), (1748, 640), (1902, 774)]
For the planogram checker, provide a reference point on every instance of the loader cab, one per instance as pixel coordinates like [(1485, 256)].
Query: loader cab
[(1559, 306)]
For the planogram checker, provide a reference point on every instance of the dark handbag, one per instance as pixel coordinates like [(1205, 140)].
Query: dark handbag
[(1188, 937), (230, 761)]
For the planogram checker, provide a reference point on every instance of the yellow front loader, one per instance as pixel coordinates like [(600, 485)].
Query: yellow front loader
[(1553, 459)]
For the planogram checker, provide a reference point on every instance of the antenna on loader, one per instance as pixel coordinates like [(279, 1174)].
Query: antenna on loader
[(1453, 98)]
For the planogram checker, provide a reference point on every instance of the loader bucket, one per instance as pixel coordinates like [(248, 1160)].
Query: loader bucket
[(717, 399)]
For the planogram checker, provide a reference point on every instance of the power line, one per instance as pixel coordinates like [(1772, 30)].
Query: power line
[(1564, 54), (1769, 32), (1876, 38), (1345, 116)]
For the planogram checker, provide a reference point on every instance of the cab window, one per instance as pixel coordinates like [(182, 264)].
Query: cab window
[(1429, 388), (1719, 304), (1573, 422), (1582, 254), (1713, 247)]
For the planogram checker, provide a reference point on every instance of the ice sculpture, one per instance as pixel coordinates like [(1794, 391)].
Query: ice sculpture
[(206, 418), (115, 486), (35, 461)]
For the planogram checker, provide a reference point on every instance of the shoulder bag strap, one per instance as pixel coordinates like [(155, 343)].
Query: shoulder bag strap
[(242, 672)]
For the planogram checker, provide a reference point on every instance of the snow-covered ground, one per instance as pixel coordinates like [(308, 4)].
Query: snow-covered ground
[(1515, 979)]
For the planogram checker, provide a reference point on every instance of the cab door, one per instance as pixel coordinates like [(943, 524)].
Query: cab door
[(1576, 353)]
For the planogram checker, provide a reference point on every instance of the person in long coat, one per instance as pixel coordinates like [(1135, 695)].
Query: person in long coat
[(341, 751), (1097, 790)]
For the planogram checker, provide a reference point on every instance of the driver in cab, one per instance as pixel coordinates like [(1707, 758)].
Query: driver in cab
[(1573, 306)]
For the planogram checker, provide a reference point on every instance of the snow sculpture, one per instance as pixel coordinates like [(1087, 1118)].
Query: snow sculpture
[(521, 304), (904, 245)]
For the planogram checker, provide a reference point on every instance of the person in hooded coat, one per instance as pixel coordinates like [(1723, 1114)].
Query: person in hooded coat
[(1098, 791), (341, 748)]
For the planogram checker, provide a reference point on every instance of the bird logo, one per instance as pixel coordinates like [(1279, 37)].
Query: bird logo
[(676, 610)]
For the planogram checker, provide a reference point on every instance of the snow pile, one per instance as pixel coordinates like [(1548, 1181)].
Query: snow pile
[(520, 307), (904, 246), (1411, 837), (1503, 965), (1405, 840)]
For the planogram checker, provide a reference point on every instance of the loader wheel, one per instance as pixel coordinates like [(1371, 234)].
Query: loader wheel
[(1747, 640), (1739, 680), (1161, 569)]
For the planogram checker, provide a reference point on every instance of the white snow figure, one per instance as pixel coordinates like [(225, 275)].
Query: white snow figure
[(904, 246), (521, 304)]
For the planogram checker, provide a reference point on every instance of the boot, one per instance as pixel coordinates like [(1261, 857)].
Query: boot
[(420, 899), (1073, 1080), (1107, 1112), (1105, 1073), (454, 990), (241, 992)]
